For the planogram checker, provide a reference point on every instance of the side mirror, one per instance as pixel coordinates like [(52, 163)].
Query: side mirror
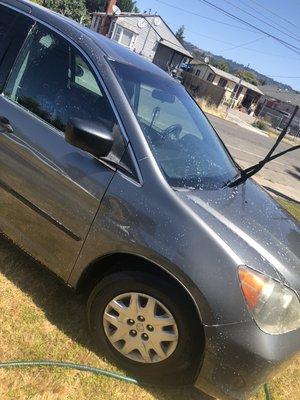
[(92, 137)]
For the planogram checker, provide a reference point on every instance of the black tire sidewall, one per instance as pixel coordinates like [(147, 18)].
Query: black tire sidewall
[(182, 361)]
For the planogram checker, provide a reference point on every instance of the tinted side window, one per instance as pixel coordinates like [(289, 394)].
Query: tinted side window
[(7, 17), (53, 81), (14, 28)]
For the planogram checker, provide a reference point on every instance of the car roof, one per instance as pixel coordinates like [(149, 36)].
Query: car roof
[(75, 31)]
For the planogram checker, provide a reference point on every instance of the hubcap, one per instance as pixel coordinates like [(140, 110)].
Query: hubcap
[(140, 327)]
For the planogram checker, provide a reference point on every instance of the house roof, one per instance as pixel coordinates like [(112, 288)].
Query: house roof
[(224, 74), (167, 36), (235, 79), (281, 94), (230, 77), (175, 47)]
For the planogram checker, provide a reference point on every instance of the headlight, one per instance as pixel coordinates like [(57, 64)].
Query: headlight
[(274, 307)]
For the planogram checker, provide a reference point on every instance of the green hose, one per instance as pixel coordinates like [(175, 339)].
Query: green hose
[(267, 392), (62, 364), (85, 368)]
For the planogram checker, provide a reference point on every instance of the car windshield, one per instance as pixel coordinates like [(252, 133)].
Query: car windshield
[(183, 142)]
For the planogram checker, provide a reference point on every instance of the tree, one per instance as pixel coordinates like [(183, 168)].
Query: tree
[(180, 34), (127, 6), (248, 77), (100, 5), (224, 66), (198, 55), (95, 5), (74, 9)]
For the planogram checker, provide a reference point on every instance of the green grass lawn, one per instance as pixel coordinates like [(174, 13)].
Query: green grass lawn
[(41, 318), (292, 207)]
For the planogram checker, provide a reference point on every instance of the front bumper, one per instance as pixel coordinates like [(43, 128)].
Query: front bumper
[(240, 357)]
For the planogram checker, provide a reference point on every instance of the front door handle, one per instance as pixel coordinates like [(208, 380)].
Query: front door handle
[(5, 124)]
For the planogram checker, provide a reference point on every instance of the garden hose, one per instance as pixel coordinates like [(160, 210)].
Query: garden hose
[(68, 365), (267, 392), (85, 368)]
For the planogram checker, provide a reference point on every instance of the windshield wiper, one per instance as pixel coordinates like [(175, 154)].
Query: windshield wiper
[(250, 171)]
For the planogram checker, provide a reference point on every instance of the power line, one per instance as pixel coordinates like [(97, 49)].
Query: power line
[(241, 45), (281, 76), (223, 23), (276, 15), (270, 19), (283, 42), (261, 20), (201, 16), (244, 44), (264, 53), (220, 9), (222, 41), (210, 37)]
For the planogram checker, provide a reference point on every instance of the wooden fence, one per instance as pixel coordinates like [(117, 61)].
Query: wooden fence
[(200, 88)]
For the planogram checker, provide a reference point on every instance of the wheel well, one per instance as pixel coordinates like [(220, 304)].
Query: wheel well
[(121, 262)]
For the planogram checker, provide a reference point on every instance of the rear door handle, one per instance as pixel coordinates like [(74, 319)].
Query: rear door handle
[(5, 124)]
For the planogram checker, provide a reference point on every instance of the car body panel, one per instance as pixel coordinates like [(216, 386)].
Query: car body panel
[(250, 214), (51, 189), (139, 219), (239, 357), (145, 221)]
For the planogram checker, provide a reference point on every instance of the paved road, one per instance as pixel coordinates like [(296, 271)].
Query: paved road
[(248, 147)]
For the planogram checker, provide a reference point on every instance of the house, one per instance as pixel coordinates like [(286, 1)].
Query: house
[(145, 34), (277, 105), (237, 92)]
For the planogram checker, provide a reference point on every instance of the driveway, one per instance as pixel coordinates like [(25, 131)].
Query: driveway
[(281, 176)]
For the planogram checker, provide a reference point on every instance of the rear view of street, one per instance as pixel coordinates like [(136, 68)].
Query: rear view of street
[(281, 176)]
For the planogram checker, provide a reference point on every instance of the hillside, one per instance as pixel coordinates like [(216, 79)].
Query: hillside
[(234, 67)]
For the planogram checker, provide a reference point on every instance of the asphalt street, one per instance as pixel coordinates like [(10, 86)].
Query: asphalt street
[(248, 147)]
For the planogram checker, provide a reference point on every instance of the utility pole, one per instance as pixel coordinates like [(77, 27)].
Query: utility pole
[(234, 96)]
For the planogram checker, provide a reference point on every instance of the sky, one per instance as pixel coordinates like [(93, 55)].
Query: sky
[(262, 52)]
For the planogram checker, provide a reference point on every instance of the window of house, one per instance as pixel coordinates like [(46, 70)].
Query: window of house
[(124, 36), (198, 72), (237, 90), (210, 77), (52, 80), (222, 82)]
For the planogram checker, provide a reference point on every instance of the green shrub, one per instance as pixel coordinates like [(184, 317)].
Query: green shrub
[(260, 125)]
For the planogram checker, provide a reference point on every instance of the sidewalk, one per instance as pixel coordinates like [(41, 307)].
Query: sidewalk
[(280, 177), (269, 180), (245, 121)]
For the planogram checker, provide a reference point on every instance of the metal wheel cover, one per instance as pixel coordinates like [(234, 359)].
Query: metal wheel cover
[(140, 327)]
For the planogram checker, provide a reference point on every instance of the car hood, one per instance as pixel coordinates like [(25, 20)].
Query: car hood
[(254, 226)]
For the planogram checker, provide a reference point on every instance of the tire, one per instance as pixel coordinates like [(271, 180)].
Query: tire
[(182, 354)]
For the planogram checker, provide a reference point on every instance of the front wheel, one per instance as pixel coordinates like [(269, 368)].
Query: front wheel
[(143, 325)]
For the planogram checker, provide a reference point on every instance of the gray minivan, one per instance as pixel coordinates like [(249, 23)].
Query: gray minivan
[(112, 177)]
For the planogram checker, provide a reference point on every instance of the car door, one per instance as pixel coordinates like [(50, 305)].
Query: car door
[(51, 191)]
